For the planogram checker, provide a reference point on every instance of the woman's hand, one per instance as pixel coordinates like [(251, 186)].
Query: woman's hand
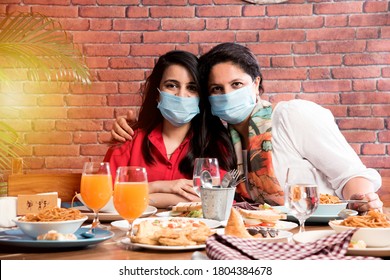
[(181, 187), (373, 199), (360, 188), (121, 130)]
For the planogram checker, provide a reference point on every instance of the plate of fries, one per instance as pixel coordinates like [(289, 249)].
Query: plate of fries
[(171, 233)]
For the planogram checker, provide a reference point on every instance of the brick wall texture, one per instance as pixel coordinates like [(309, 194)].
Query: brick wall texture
[(335, 53)]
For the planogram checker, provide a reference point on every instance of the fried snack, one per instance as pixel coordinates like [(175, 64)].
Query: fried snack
[(373, 219), (182, 240), (54, 235), (53, 215), (200, 235), (235, 225), (329, 199), (145, 234), (174, 232)]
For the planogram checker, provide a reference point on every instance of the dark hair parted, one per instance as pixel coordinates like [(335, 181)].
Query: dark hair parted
[(237, 54), (203, 143)]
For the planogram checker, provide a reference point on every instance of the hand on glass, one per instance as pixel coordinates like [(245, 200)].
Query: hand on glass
[(373, 199), (121, 130)]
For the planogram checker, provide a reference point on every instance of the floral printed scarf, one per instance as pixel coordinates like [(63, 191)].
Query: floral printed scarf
[(255, 163)]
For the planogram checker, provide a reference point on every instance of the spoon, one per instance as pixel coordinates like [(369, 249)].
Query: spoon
[(206, 179), (88, 234), (345, 213), (227, 178)]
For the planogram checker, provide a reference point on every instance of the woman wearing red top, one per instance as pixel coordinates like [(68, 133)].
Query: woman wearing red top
[(173, 128)]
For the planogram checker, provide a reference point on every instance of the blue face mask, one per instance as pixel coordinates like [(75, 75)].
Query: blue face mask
[(178, 110), (233, 107)]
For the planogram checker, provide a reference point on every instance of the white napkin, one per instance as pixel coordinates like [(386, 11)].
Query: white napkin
[(8, 206)]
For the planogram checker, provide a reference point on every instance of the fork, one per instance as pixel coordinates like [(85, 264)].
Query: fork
[(235, 183), (234, 173)]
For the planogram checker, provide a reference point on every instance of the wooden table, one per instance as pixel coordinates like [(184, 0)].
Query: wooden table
[(113, 250), (108, 250)]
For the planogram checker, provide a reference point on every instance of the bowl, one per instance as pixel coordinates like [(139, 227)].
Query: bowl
[(33, 229), (109, 207), (373, 237), (329, 209)]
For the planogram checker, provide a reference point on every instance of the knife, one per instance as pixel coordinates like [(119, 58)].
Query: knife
[(353, 201)]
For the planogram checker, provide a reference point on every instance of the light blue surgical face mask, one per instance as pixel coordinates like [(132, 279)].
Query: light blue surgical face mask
[(178, 110), (233, 107)]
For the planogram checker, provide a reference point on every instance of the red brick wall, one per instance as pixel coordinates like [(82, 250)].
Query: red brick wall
[(336, 53)]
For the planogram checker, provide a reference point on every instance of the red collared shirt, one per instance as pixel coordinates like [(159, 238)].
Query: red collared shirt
[(130, 154)]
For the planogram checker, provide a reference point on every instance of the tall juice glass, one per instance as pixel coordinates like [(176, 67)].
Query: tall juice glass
[(131, 195), (96, 187)]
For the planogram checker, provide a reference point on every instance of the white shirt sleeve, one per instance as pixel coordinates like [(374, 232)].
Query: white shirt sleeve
[(306, 133)]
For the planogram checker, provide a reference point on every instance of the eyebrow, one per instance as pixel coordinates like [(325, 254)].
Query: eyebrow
[(232, 81), (171, 81)]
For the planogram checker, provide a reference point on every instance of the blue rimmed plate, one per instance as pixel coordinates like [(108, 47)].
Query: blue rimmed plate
[(15, 237)]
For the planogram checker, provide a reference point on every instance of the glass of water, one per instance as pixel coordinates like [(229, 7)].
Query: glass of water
[(206, 173), (302, 195)]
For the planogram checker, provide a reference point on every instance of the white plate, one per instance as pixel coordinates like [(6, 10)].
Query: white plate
[(314, 235), (106, 217), (283, 234), (164, 214), (281, 225), (284, 225), (169, 248), (123, 224), (311, 219)]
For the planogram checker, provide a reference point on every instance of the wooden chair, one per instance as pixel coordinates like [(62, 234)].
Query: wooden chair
[(66, 184)]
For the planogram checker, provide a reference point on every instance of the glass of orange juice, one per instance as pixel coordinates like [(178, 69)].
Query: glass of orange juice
[(96, 187), (131, 195)]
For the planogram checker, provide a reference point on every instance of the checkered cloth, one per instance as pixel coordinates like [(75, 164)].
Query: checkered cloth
[(332, 247)]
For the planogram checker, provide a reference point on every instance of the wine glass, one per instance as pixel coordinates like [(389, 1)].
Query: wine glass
[(301, 191), (206, 169), (131, 195), (96, 188)]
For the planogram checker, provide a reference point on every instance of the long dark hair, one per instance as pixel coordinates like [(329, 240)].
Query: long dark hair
[(230, 52), (203, 143)]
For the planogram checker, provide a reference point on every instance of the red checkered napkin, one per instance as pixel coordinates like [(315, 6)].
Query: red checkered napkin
[(332, 247)]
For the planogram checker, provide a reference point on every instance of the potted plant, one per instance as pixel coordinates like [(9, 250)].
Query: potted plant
[(38, 45)]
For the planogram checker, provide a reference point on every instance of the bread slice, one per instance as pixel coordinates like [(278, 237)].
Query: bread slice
[(269, 215), (187, 206)]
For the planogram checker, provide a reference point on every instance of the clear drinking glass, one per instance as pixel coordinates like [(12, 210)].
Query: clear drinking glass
[(131, 195), (302, 195), (203, 165), (96, 187)]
